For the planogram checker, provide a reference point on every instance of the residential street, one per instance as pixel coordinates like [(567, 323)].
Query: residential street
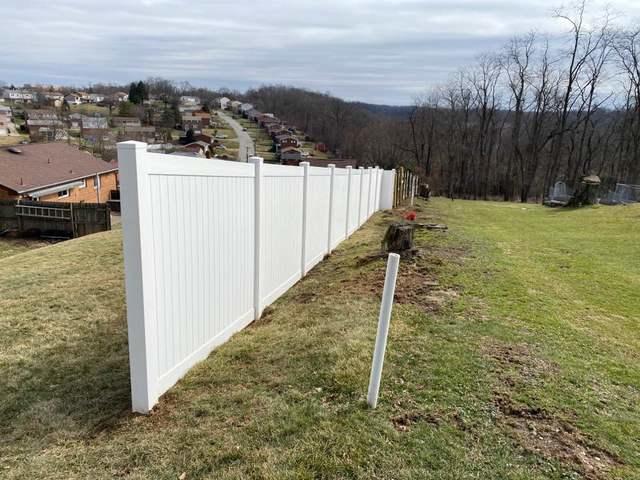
[(244, 140)]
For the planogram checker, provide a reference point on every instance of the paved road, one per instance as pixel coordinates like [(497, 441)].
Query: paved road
[(244, 140)]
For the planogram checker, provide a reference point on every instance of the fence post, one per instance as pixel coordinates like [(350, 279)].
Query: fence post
[(370, 170), (332, 169), (305, 215), (346, 227), (360, 199), (139, 275), (383, 328), (257, 250)]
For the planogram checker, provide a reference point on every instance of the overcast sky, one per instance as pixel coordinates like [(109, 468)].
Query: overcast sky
[(374, 51)]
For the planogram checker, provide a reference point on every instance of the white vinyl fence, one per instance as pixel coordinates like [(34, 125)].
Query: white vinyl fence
[(209, 243)]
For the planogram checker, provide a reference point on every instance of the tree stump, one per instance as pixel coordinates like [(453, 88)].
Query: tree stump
[(399, 239), (424, 191)]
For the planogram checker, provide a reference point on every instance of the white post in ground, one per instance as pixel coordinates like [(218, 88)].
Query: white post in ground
[(332, 169), (305, 215), (383, 328), (257, 250)]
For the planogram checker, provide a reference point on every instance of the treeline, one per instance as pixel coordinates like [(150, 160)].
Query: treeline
[(509, 126)]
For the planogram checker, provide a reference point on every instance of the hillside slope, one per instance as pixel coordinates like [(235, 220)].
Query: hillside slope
[(512, 354)]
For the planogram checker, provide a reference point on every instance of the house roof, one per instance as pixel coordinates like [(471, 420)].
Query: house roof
[(42, 165), (44, 122)]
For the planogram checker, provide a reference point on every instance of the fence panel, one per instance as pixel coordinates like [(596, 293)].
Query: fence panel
[(354, 200), (339, 217), (209, 243), (317, 215), (281, 230)]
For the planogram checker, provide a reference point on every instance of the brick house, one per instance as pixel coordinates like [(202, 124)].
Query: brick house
[(55, 172), (205, 118)]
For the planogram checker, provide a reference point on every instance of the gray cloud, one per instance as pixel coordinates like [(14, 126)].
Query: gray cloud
[(370, 50)]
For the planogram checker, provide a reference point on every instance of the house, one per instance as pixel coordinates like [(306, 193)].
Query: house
[(75, 121), (286, 141), (253, 114), (45, 129), (138, 133), (224, 102), (120, 97), (95, 127), (41, 114), (55, 172), (96, 97), (189, 109), (189, 100), (191, 122), (73, 99), (235, 105), (53, 96), (205, 118), (119, 122), (245, 107), (19, 96), (290, 155)]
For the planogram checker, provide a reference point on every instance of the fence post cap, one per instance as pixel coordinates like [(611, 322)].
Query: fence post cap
[(304, 164), (361, 168), (331, 165), (256, 160), (132, 145), (348, 167)]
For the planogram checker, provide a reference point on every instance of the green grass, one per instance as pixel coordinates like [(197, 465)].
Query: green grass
[(90, 109), (513, 354), (14, 246)]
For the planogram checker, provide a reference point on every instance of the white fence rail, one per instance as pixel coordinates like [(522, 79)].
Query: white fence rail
[(209, 243)]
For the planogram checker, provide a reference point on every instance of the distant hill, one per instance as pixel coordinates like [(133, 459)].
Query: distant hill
[(392, 111)]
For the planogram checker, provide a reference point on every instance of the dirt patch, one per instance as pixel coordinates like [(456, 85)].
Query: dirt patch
[(304, 297), (550, 435), (517, 363), (417, 283), (543, 434), (404, 421)]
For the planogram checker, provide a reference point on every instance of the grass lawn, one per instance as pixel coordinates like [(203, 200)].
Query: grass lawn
[(513, 354), (89, 109), (14, 246)]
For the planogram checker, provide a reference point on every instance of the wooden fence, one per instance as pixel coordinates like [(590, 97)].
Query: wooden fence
[(67, 220), (405, 188)]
